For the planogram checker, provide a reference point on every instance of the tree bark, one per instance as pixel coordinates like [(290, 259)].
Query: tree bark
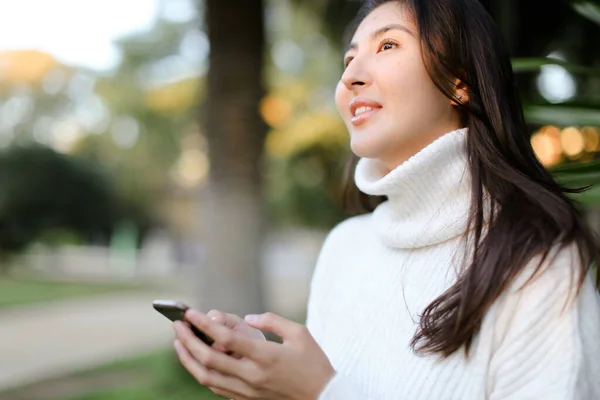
[(233, 217)]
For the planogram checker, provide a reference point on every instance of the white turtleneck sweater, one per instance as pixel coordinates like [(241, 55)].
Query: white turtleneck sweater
[(376, 273)]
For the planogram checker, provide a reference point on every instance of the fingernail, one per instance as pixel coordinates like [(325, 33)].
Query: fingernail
[(252, 318)]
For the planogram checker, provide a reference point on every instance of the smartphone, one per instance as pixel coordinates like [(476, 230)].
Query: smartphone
[(175, 311)]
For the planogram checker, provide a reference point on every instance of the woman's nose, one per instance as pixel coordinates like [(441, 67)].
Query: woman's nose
[(356, 75)]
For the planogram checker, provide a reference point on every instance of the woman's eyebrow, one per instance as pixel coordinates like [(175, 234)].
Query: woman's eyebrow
[(381, 31)]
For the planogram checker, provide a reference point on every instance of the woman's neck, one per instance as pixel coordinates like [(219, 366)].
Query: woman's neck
[(401, 154), (429, 194)]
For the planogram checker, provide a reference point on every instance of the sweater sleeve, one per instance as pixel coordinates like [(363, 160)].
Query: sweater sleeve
[(324, 273), (342, 387), (542, 332)]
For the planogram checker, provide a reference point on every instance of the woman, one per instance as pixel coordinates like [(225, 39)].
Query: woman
[(469, 280)]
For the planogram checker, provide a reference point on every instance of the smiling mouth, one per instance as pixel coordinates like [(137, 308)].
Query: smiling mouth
[(362, 114)]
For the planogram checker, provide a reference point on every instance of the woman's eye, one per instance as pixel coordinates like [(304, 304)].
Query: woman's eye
[(347, 61), (387, 46)]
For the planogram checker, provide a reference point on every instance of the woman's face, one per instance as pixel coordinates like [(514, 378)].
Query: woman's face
[(386, 98)]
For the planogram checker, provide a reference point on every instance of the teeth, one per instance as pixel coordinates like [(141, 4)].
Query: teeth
[(361, 110)]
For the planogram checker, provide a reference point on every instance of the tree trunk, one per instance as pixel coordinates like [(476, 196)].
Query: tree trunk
[(233, 217)]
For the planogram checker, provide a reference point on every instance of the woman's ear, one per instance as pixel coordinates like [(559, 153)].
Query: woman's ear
[(461, 94)]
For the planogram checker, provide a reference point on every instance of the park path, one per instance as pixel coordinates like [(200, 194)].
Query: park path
[(50, 340), (53, 339)]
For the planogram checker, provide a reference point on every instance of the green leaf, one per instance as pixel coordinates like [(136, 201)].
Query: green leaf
[(535, 64), (578, 175), (588, 9), (576, 168), (589, 197), (562, 115), (579, 180)]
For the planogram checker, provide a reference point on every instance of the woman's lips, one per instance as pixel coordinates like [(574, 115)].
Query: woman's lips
[(364, 116), (362, 110)]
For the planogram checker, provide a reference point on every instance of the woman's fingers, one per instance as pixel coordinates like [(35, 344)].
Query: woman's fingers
[(233, 341), (296, 369), (208, 356), (219, 383), (218, 317), (229, 320), (223, 318)]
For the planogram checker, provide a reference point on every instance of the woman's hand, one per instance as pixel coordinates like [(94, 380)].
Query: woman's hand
[(235, 323), (296, 369)]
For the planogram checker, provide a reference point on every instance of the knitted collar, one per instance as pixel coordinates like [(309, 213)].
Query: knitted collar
[(429, 195)]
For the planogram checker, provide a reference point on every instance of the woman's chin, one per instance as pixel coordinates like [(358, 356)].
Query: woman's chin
[(364, 148)]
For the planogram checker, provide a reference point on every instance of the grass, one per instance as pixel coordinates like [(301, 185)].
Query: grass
[(161, 377), (21, 291), (155, 376)]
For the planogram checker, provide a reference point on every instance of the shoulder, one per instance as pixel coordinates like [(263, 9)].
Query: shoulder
[(561, 269), (340, 244), (351, 225), (546, 323), (342, 240), (551, 291), (348, 230)]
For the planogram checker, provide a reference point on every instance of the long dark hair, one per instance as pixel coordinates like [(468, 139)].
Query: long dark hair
[(530, 212)]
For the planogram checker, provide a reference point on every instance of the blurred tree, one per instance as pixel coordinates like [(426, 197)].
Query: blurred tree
[(307, 142), (45, 194), (125, 120), (234, 216), (149, 100)]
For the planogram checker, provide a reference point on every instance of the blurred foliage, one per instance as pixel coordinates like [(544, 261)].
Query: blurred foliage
[(137, 129), (563, 114), (581, 111), (307, 145), (521, 65), (161, 376), (581, 175), (55, 198), (150, 113), (306, 187), (86, 151), (587, 8)]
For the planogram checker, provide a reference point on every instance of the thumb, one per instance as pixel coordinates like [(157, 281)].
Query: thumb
[(271, 322)]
